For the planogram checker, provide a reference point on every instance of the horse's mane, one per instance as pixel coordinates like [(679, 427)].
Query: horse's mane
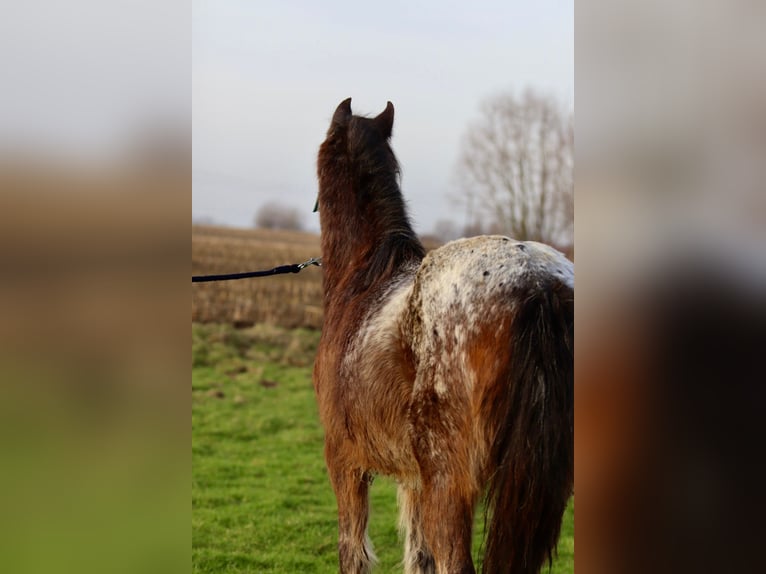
[(367, 236)]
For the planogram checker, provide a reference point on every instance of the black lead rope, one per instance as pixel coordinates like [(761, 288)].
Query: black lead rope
[(293, 268)]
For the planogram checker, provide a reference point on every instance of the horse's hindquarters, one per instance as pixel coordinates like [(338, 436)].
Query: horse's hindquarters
[(491, 326)]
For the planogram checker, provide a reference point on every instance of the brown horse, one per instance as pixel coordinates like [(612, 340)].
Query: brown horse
[(451, 372)]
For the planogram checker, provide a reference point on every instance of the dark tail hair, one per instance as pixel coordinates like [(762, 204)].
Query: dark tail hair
[(532, 458)]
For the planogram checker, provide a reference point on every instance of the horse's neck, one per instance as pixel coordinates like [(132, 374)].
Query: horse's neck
[(355, 265), (360, 254)]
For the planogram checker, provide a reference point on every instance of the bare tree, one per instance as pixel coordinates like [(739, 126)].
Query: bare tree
[(517, 163), (275, 215)]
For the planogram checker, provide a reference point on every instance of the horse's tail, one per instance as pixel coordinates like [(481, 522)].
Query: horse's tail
[(532, 457)]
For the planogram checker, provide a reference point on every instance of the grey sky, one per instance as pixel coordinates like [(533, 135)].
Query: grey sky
[(268, 74)]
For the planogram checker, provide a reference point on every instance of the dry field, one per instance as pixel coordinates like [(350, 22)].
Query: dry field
[(290, 300)]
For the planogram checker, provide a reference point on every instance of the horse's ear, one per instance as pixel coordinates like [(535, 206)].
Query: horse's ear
[(342, 113), (385, 120)]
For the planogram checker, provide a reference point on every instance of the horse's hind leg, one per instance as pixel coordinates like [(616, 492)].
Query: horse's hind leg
[(417, 556), (447, 519), (354, 547)]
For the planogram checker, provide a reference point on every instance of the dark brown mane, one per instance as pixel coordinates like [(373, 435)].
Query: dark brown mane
[(367, 236)]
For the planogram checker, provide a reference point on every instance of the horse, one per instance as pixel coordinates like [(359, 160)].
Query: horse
[(451, 372)]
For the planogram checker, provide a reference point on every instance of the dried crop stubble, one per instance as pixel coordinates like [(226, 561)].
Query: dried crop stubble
[(292, 300)]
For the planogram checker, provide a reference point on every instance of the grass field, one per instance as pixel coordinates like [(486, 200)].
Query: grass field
[(261, 498)]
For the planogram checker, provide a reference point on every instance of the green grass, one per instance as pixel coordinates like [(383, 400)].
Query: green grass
[(261, 498)]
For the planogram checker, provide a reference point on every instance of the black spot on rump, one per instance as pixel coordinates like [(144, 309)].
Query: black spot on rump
[(486, 273)]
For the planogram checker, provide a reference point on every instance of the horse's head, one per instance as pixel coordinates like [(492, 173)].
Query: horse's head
[(343, 119), (355, 157)]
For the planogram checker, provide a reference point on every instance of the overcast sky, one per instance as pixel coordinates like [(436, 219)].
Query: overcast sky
[(268, 74)]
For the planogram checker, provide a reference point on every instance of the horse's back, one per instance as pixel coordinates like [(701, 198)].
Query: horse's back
[(481, 276)]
